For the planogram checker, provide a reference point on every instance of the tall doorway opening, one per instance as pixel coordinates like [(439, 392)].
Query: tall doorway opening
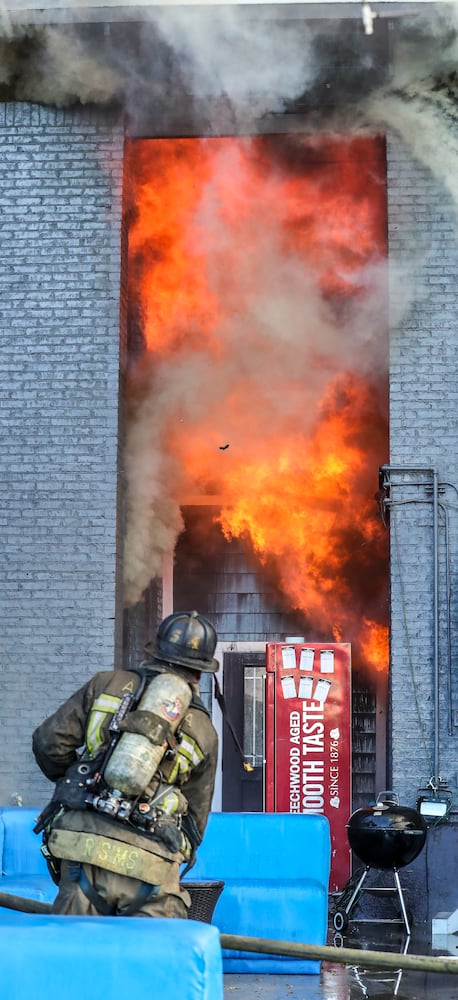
[(257, 390)]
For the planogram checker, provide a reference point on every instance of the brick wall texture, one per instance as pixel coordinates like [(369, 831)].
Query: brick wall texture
[(423, 433), (61, 208)]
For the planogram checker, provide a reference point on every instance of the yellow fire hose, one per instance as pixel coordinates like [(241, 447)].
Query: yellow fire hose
[(11, 902), (291, 949), (346, 956)]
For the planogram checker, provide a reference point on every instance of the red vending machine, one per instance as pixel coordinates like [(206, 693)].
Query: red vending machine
[(308, 739)]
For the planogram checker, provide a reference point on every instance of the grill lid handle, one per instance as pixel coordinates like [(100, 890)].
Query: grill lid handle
[(389, 797)]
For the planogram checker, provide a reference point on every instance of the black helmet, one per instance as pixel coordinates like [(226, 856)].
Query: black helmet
[(187, 639)]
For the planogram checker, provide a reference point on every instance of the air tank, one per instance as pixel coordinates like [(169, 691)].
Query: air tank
[(135, 759)]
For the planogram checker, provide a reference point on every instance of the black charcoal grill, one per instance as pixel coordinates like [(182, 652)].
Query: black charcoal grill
[(385, 836)]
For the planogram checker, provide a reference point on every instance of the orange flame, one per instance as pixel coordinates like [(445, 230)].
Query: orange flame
[(249, 260)]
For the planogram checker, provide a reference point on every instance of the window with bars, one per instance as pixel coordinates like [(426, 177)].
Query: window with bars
[(253, 714)]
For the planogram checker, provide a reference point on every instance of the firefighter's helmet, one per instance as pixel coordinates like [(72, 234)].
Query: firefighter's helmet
[(187, 639)]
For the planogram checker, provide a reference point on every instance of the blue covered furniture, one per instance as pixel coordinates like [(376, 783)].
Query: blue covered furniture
[(275, 868), (76, 957), (86, 958), (23, 867)]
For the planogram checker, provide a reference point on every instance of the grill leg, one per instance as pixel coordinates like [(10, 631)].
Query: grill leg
[(356, 892), (342, 912), (401, 900)]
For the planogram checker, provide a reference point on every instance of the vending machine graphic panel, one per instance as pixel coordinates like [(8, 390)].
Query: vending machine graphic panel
[(308, 739)]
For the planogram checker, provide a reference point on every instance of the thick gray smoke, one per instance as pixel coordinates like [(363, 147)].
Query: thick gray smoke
[(236, 69), (420, 102), (239, 64), (250, 60)]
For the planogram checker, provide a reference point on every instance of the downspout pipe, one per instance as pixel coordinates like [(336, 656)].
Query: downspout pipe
[(432, 473), (436, 627)]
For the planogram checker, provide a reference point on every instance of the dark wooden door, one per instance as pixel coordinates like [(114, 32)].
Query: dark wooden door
[(244, 693)]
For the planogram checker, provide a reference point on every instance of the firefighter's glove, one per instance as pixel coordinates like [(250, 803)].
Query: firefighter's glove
[(168, 832), (142, 723)]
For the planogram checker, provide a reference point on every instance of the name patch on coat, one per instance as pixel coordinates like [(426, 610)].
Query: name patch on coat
[(123, 859)]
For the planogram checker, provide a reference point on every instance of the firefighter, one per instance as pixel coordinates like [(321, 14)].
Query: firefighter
[(121, 850)]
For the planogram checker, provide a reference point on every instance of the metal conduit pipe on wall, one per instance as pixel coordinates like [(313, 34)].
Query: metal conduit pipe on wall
[(385, 473)]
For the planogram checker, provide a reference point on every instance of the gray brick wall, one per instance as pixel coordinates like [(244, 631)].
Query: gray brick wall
[(424, 432), (61, 207)]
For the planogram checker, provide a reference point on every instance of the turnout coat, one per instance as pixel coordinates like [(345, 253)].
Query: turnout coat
[(79, 732)]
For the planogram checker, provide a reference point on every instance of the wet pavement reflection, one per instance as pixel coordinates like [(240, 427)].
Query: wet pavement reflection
[(337, 981)]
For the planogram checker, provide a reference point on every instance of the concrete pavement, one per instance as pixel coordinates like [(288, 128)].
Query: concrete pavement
[(337, 981)]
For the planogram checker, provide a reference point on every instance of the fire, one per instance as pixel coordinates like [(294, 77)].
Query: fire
[(256, 264), (373, 643)]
